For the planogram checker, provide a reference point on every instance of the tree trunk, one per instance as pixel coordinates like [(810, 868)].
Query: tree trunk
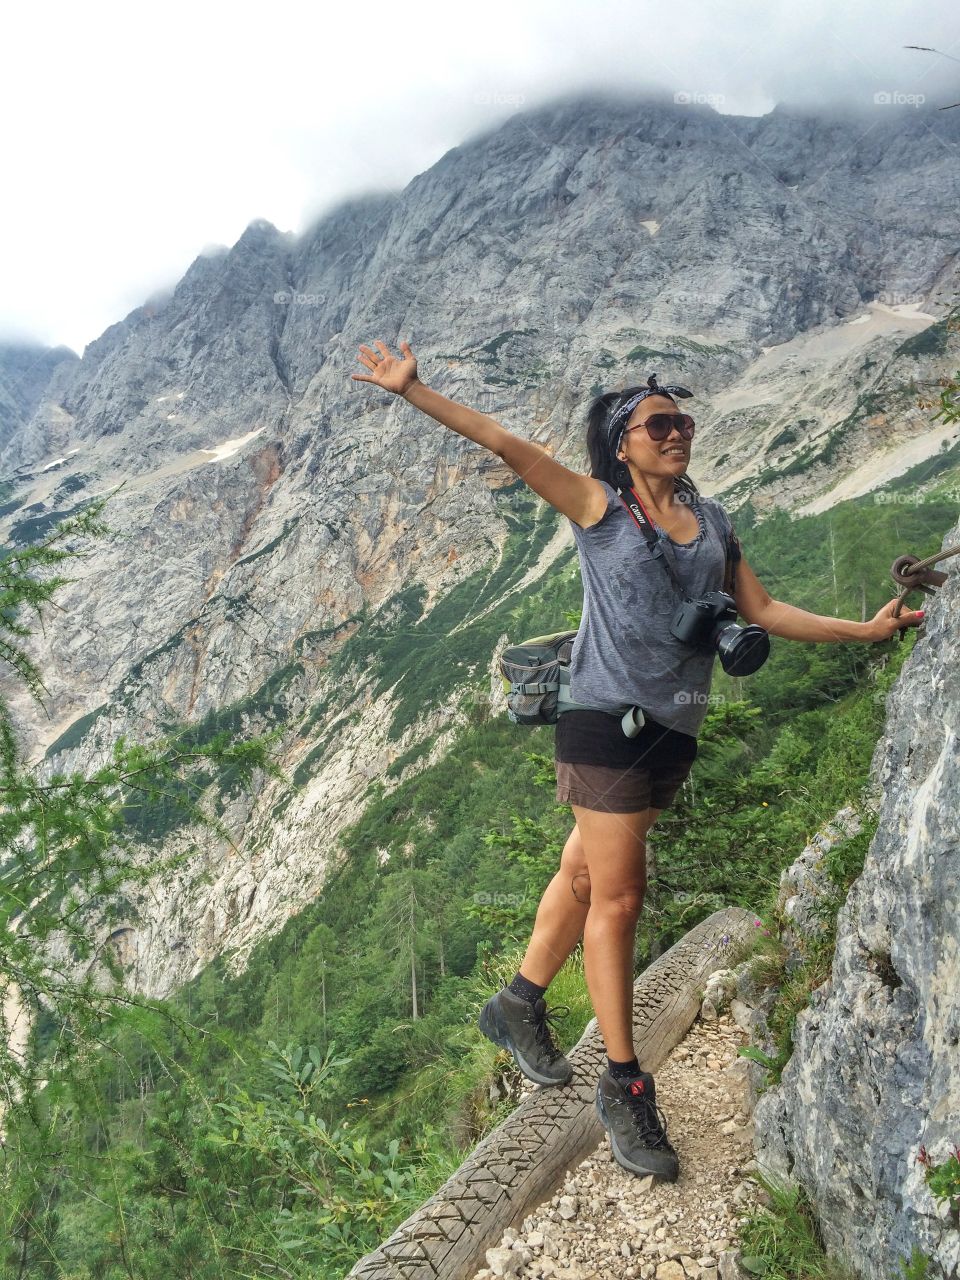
[(833, 566), (413, 980), (323, 998)]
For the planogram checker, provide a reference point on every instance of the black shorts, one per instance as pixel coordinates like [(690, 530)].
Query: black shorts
[(599, 767)]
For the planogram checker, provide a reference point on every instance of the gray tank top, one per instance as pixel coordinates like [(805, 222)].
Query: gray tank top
[(624, 653)]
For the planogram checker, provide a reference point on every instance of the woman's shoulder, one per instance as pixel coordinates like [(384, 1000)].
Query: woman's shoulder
[(612, 502)]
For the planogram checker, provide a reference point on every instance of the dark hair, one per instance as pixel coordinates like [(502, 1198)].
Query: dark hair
[(605, 466)]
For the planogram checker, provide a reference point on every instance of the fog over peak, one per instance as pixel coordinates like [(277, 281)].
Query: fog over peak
[(184, 130)]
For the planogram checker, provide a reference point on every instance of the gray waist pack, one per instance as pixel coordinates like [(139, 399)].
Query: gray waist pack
[(536, 681)]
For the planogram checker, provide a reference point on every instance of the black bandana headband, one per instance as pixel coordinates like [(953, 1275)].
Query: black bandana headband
[(621, 416)]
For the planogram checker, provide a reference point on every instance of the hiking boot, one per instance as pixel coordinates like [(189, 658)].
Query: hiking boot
[(636, 1125), (521, 1026)]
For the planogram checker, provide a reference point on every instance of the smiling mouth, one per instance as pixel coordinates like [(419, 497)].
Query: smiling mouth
[(674, 452)]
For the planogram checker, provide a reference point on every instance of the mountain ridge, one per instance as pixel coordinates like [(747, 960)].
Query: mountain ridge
[(267, 499)]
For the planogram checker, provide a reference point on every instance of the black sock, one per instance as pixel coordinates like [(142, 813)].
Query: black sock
[(522, 986), (623, 1070)]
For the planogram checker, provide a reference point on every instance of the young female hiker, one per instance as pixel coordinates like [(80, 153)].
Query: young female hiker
[(624, 654)]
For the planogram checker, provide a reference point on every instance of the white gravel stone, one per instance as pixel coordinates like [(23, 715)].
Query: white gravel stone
[(567, 1208), (504, 1262), (604, 1221)]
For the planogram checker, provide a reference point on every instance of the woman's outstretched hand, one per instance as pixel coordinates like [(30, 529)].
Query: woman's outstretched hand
[(883, 624), (390, 372)]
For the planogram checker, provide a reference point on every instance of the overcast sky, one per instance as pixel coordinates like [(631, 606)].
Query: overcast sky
[(134, 137)]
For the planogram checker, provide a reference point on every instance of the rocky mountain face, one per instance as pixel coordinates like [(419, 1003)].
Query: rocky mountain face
[(873, 1079), (790, 270), (28, 373)]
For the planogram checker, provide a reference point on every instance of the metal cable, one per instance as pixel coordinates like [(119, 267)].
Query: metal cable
[(916, 575)]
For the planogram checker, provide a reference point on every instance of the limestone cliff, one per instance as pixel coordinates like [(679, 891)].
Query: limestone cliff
[(875, 1071), (29, 374)]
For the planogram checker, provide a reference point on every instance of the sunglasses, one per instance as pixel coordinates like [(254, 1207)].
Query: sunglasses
[(659, 425)]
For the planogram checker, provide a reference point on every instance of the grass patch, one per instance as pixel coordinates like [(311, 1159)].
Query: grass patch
[(783, 1241), (488, 352), (703, 348), (931, 341), (782, 439), (74, 733), (944, 465), (410, 757), (154, 823), (134, 676), (313, 639), (651, 353), (492, 348), (72, 484), (308, 765), (288, 526), (265, 706), (24, 533)]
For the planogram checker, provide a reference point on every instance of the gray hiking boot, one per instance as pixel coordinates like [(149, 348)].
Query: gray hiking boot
[(521, 1026), (636, 1125)]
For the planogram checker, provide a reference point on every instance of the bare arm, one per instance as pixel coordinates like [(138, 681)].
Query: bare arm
[(581, 498), (476, 426), (755, 605)]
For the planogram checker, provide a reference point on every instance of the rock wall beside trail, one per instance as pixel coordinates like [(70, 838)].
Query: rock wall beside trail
[(874, 1072)]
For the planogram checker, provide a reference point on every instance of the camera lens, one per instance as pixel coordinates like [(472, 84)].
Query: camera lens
[(742, 649)]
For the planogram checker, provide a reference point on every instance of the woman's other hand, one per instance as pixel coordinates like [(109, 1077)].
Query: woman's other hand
[(883, 624), (396, 374)]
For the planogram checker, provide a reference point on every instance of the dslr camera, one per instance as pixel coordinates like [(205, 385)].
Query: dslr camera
[(711, 623)]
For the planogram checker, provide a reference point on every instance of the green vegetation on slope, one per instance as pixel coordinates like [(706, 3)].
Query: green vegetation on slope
[(211, 1141), (422, 657)]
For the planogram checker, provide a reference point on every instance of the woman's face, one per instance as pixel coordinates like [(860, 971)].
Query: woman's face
[(668, 457)]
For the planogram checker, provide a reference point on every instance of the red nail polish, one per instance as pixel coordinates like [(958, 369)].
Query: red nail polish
[(920, 613)]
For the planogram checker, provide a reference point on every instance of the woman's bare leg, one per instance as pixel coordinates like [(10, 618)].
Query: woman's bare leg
[(614, 847), (560, 916)]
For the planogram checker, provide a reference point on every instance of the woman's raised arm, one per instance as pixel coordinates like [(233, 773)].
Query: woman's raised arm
[(580, 498)]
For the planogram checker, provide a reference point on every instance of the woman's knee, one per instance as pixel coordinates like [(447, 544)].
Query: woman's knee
[(615, 854), (573, 868), (625, 902)]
